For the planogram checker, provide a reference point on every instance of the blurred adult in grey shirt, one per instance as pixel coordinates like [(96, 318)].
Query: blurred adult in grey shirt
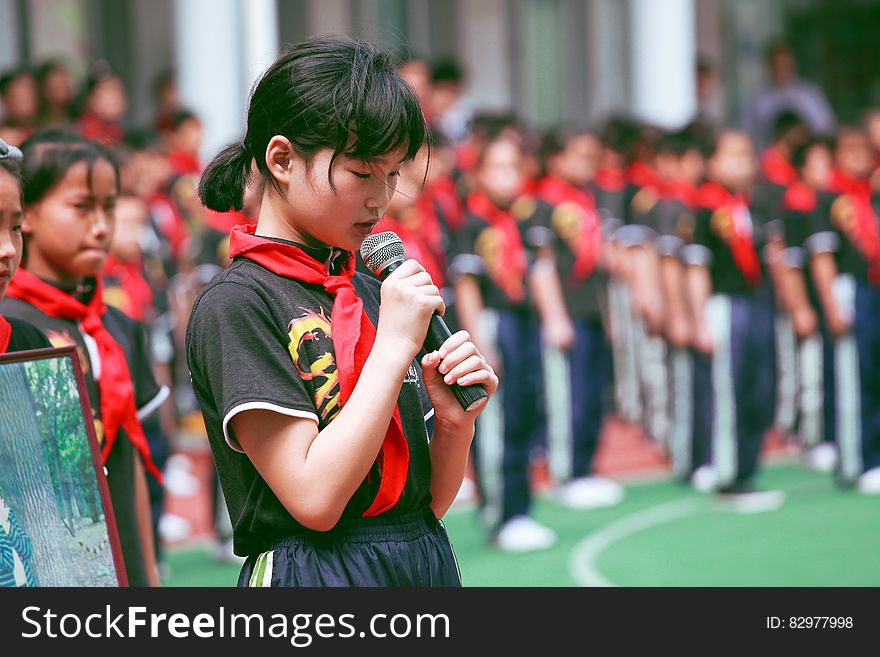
[(786, 91)]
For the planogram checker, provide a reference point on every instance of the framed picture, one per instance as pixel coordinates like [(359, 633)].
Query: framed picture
[(56, 520)]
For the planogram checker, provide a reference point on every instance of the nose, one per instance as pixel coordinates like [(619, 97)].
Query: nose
[(382, 193), (103, 222), (7, 248)]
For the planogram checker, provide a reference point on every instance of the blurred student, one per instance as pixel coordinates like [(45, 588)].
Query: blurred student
[(56, 94), (569, 286), (182, 139), (490, 273), (15, 334), (20, 100), (451, 110), (70, 190), (844, 251), (103, 105), (732, 300)]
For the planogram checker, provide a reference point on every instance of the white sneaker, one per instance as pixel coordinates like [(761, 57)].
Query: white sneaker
[(753, 501), (705, 479), (590, 493), (869, 482), (822, 457), (524, 534)]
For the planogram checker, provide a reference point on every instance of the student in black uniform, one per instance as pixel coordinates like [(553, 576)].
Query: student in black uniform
[(336, 451), (728, 289), (490, 273), (70, 187), (15, 335)]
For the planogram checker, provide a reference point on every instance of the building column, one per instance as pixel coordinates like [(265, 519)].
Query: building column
[(663, 58), (484, 52), (259, 18)]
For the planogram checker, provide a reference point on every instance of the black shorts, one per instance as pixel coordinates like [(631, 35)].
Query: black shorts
[(410, 550)]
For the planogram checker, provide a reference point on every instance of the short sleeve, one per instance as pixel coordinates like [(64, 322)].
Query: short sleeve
[(698, 251), (239, 359), (148, 394)]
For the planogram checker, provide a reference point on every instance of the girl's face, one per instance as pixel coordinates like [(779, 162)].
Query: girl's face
[(733, 164), (500, 173), (316, 214), (69, 230), (578, 162), (10, 228), (818, 166)]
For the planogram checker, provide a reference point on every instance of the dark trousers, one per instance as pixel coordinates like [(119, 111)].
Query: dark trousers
[(507, 430), (590, 376), (743, 382), (701, 445), (866, 329)]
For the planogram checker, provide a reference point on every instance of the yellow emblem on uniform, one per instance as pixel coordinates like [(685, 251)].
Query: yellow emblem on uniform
[(684, 226), (721, 223), (843, 214), (488, 247), (523, 208), (566, 221), (311, 348), (643, 201)]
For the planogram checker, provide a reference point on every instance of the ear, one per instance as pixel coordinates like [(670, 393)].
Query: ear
[(279, 156), (27, 223)]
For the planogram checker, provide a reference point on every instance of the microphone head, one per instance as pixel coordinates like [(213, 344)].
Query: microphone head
[(381, 250)]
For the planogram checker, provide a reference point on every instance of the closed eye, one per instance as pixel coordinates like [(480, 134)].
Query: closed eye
[(362, 176)]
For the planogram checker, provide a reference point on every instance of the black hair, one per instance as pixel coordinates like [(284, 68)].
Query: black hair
[(620, 133), (11, 75), (556, 140), (180, 117), (10, 160), (446, 69), (326, 92), (801, 151), (50, 154), (784, 122)]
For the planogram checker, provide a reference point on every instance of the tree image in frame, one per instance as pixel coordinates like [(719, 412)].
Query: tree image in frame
[(47, 475)]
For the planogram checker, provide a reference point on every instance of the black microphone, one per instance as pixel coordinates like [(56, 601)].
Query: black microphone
[(382, 254)]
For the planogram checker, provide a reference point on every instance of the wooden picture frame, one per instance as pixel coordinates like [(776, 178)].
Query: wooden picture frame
[(52, 477)]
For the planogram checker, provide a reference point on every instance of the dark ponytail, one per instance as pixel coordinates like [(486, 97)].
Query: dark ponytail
[(326, 92), (225, 179)]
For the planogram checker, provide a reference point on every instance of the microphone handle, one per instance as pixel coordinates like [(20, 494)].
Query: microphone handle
[(468, 396)]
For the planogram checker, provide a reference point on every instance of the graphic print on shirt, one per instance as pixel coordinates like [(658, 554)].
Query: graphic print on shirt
[(311, 348)]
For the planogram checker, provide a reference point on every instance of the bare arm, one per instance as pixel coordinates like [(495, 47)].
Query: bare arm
[(699, 289), (823, 269), (547, 292), (679, 323)]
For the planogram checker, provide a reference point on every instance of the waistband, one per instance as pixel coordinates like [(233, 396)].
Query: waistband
[(404, 527)]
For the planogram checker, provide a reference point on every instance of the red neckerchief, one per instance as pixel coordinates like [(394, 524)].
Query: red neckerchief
[(867, 227), (610, 180), (105, 133), (170, 223), (799, 197), (776, 168), (223, 222), (5, 334), (589, 241), (641, 175), (353, 335), (131, 280), (683, 191), (414, 244), (466, 157), (117, 391), (716, 197), (183, 163), (510, 269), (428, 224), (444, 193)]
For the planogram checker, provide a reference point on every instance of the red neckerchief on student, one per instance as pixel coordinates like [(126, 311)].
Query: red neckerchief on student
[(589, 241), (799, 197), (641, 175), (183, 163), (131, 279), (414, 245), (353, 335), (683, 191), (105, 133), (776, 168), (610, 180), (445, 194), (5, 334), (117, 390), (716, 197), (510, 269), (224, 222), (867, 224)]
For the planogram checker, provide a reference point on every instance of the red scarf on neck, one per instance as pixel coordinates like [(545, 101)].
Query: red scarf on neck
[(716, 197), (867, 225), (5, 334), (510, 269), (776, 169), (138, 294), (353, 335), (610, 180), (117, 391), (589, 240)]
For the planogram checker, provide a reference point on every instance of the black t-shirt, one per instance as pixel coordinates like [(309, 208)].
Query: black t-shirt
[(148, 397), (259, 340), (835, 230), (711, 247), (478, 252), (559, 228), (798, 225), (25, 336)]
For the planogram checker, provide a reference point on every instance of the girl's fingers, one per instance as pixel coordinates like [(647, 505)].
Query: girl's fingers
[(453, 342), (418, 279), (468, 365), (457, 355)]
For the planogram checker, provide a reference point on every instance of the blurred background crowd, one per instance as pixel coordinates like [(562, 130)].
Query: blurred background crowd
[(618, 97)]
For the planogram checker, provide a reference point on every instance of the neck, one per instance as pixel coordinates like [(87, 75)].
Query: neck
[(37, 266), (271, 223)]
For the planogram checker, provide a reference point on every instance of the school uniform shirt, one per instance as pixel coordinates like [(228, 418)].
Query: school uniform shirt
[(729, 240), (22, 336), (257, 340), (493, 247), (609, 187), (572, 229), (672, 219), (149, 395)]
